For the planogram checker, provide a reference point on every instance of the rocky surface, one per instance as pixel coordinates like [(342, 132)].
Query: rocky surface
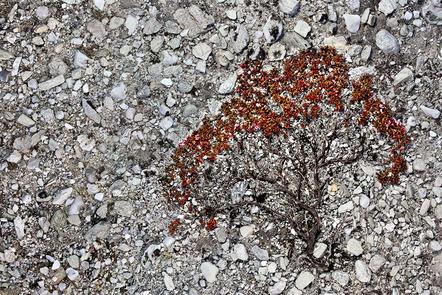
[(95, 95)]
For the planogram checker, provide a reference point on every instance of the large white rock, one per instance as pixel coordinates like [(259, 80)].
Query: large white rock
[(363, 273), (209, 271), (290, 7), (352, 22), (386, 42), (354, 247), (387, 6), (228, 85), (304, 279)]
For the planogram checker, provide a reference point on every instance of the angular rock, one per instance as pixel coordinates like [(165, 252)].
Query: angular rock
[(304, 279), (202, 51), (302, 28), (98, 231), (240, 252), (62, 195), (19, 226), (168, 282), (376, 262), (228, 85), (123, 208), (354, 247), (341, 277), (404, 76), (352, 22), (240, 39), (5, 55), (363, 273), (387, 6), (290, 7), (193, 19), (152, 26), (51, 83), (260, 253), (209, 271), (25, 121), (272, 30), (277, 288), (131, 24), (90, 112)]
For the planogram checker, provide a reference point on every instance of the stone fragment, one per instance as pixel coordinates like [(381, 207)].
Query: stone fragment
[(240, 39), (98, 231), (152, 26), (341, 277), (166, 123), (228, 85), (42, 12), (5, 55), (260, 253), (290, 7), (131, 24), (240, 252), (209, 271), (90, 112), (96, 28), (193, 20), (116, 22), (376, 262), (62, 195), (387, 6), (168, 282), (353, 5), (14, 157), (419, 165), (352, 22), (202, 51), (19, 226), (123, 208), (25, 121), (277, 288), (304, 279), (302, 28), (51, 83), (363, 273), (319, 250), (99, 4), (354, 247), (386, 42), (430, 112), (404, 76)]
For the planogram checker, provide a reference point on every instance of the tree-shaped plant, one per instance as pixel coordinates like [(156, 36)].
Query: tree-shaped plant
[(279, 141)]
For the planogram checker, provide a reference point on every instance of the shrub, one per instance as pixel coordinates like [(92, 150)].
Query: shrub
[(280, 140)]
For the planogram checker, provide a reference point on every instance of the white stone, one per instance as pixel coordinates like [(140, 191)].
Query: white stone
[(319, 250), (433, 113), (302, 28), (419, 165), (240, 252), (386, 42), (345, 207), (99, 4), (14, 157), (202, 51), (247, 230), (272, 30), (152, 26), (228, 85), (353, 4), (387, 6), (424, 207), (352, 22), (290, 7), (168, 282), (42, 12), (19, 226), (62, 195), (363, 273), (131, 24), (119, 92), (25, 120), (80, 59), (259, 253), (166, 123), (304, 279), (86, 143), (404, 76), (354, 247), (277, 288), (90, 112), (51, 83), (364, 201), (72, 273), (341, 277), (376, 262), (209, 271)]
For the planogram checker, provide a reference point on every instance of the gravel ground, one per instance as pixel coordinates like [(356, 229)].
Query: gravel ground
[(96, 94)]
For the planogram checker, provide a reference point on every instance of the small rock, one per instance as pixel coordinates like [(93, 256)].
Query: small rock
[(433, 113), (119, 92), (341, 277), (25, 120), (276, 52), (247, 230), (319, 250), (277, 288), (202, 51), (51, 83), (90, 112), (304, 279), (387, 6), (260, 253), (354, 247), (123, 208), (387, 42), (62, 195), (19, 226), (419, 165), (72, 273), (209, 271), (240, 252), (424, 207), (272, 30), (404, 76), (131, 24), (166, 123), (99, 4), (96, 28), (353, 4), (290, 7), (116, 22), (364, 201), (363, 273), (240, 39), (302, 28), (14, 157), (376, 262), (80, 59), (42, 12), (352, 22), (345, 207), (168, 282), (152, 26), (228, 85), (98, 231)]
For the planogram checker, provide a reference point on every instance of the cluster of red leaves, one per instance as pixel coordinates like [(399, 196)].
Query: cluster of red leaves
[(308, 82)]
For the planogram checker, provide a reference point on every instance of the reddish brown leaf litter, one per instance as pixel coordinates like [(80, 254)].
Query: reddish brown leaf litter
[(306, 88)]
